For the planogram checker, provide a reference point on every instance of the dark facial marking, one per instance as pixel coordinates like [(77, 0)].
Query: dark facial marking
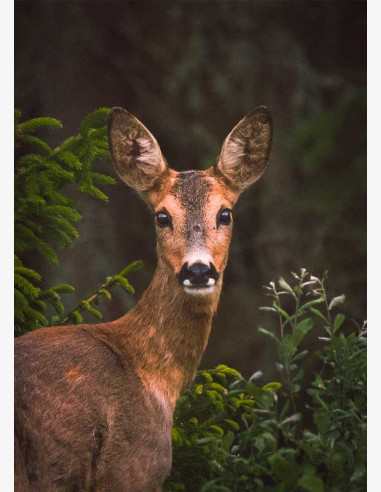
[(192, 189)]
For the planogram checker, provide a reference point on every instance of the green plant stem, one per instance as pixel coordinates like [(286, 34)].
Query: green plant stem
[(80, 307), (299, 296), (329, 319)]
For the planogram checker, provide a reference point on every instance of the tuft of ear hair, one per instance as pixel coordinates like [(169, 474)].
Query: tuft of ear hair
[(135, 152), (246, 150)]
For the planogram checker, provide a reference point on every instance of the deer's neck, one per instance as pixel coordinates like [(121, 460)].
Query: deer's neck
[(167, 333)]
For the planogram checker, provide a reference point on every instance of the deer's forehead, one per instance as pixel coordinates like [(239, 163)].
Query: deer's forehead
[(192, 190), (193, 193)]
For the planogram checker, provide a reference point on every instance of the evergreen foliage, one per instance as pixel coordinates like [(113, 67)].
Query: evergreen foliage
[(75, 317), (231, 434), (45, 218)]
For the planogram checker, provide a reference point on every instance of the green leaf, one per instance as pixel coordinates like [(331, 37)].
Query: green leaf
[(198, 389), (256, 375), (284, 285), (300, 331), (310, 481), (228, 438), (284, 410), (322, 421), (269, 334), (233, 425), (177, 437), (281, 311), (208, 378), (267, 308), (284, 467), (123, 282), (292, 419), (106, 293), (290, 342), (279, 366), (135, 265), (318, 313), (300, 355), (217, 429), (298, 376), (91, 310), (76, 317), (336, 301), (218, 387), (308, 305), (339, 320), (272, 386), (228, 370)]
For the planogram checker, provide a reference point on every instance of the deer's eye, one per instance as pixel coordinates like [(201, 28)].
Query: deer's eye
[(163, 219), (224, 217)]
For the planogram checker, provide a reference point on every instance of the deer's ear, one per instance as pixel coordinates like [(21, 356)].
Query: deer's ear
[(246, 150), (135, 151)]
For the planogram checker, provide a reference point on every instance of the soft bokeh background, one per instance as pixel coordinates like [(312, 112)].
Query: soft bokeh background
[(190, 71)]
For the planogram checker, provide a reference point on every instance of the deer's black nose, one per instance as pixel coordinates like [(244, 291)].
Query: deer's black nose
[(198, 275)]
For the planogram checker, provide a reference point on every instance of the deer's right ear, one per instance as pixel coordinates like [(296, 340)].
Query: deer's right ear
[(136, 154)]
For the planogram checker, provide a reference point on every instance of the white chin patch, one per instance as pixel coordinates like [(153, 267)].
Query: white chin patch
[(202, 291), (207, 289)]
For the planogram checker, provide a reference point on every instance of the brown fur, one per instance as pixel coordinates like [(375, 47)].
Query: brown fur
[(94, 403)]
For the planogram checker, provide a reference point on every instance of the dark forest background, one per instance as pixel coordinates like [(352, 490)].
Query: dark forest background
[(190, 71)]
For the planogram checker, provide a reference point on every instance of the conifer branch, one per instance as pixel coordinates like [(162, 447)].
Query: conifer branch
[(74, 316)]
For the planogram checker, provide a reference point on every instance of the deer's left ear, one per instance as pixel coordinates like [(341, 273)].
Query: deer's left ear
[(246, 150)]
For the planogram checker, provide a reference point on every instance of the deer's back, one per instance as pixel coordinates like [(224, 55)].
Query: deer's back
[(82, 420)]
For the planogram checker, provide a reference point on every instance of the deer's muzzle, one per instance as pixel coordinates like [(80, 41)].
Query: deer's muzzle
[(198, 275)]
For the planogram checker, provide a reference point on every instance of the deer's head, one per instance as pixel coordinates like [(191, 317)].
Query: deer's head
[(192, 209)]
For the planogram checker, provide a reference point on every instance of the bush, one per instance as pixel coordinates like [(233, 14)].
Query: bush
[(231, 434)]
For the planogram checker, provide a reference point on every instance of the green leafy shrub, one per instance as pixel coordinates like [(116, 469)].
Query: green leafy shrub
[(45, 218), (231, 434)]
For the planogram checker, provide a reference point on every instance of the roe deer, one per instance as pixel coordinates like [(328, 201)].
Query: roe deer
[(94, 403)]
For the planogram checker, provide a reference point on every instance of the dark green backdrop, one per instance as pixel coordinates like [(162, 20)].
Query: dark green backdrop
[(190, 71)]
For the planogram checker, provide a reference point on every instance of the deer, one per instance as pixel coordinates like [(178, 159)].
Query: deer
[(94, 403)]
